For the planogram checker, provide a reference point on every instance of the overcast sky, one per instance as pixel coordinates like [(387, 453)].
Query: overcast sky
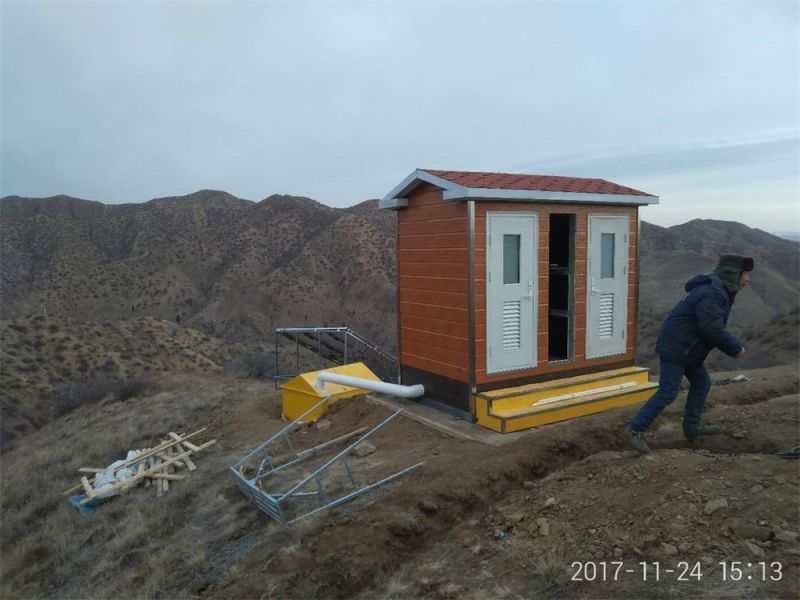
[(696, 102)]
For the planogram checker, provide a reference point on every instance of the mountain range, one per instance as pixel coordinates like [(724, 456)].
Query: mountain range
[(236, 269), (208, 276)]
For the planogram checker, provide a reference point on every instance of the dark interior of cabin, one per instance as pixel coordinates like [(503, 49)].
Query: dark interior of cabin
[(561, 305)]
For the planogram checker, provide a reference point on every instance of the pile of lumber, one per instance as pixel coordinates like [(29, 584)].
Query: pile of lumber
[(157, 466)]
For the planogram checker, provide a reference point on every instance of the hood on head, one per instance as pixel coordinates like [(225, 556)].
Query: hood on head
[(730, 267), (697, 280)]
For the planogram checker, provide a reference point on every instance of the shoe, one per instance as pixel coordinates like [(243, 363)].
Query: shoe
[(636, 439), (693, 432)]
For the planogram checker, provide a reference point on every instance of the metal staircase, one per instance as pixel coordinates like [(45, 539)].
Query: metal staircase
[(336, 346)]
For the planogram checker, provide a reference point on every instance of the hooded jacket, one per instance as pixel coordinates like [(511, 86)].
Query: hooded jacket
[(697, 323)]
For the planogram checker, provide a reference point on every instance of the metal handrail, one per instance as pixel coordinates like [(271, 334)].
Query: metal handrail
[(348, 334)]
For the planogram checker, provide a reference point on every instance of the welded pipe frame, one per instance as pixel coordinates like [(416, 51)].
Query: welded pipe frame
[(382, 387)]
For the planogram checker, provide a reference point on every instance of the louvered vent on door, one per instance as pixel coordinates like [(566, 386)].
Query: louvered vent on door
[(605, 318), (511, 325)]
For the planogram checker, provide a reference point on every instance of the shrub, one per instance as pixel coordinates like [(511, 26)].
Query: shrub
[(259, 366), (132, 387), (69, 395)]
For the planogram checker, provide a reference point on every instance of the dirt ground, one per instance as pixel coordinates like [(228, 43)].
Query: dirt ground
[(475, 521), (479, 522)]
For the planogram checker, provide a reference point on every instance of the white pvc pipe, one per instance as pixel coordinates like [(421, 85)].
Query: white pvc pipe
[(393, 389)]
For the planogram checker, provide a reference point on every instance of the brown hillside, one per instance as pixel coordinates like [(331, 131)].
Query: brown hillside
[(669, 257), (230, 267), (37, 354)]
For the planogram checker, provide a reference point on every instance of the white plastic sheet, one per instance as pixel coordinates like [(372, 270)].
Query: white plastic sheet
[(113, 474)]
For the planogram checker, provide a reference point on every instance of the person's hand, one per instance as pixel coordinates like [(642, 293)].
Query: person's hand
[(741, 353)]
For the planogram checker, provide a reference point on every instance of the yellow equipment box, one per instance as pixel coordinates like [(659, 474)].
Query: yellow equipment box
[(300, 393)]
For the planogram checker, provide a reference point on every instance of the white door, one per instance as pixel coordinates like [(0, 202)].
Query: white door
[(607, 286), (511, 291)]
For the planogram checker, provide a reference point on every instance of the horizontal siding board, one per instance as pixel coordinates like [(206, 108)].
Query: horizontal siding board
[(447, 225), (449, 210), (439, 284), (434, 240), (427, 269), (450, 328), (432, 366), (433, 255), (436, 340), (454, 358), (425, 195), (444, 299), (430, 311)]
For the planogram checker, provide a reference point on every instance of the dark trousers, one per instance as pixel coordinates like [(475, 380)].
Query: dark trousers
[(669, 384)]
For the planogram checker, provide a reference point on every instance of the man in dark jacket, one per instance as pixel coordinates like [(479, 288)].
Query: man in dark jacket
[(692, 329)]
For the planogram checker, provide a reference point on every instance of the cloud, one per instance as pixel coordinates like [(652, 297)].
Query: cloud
[(776, 152)]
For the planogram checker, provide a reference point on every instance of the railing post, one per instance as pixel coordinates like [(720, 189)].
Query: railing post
[(275, 374)]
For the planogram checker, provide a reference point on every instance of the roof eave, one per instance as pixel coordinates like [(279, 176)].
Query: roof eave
[(545, 196), (398, 197)]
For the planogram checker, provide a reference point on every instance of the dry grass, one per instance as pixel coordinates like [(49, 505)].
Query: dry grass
[(135, 545), (49, 365)]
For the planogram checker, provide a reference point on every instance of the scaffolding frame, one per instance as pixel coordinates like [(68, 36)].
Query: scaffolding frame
[(278, 504)]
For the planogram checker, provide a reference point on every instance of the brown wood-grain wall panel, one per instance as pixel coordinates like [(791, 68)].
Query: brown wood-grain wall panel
[(451, 328), (431, 255), (423, 363), (440, 340), (453, 270), (544, 210), (432, 284), (439, 284), (447, 225)]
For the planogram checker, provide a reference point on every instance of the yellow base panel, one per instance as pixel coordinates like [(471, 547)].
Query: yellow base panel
[(483, 417), (514, 409), (522, 397), (577, 410)]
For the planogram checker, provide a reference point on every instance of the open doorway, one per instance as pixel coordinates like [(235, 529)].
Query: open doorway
[(561, 306)]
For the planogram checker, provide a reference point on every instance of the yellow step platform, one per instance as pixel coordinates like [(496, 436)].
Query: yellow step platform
[(514, 409)]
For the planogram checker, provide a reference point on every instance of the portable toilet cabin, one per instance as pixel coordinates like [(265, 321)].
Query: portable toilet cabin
[(517, 294)]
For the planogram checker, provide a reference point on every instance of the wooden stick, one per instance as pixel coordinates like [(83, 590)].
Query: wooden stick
[(169, 477), (90, 470), (152, 470), (87, 488), (149, 453), (166, 455), (189, 445), (189, 463), (159, 482), (166, 471), (141, 469)]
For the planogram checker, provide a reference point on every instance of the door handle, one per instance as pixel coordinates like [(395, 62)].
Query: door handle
[(529, 295)]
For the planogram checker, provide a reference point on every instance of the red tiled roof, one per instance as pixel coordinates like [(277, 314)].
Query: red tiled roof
[(549, 183)]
